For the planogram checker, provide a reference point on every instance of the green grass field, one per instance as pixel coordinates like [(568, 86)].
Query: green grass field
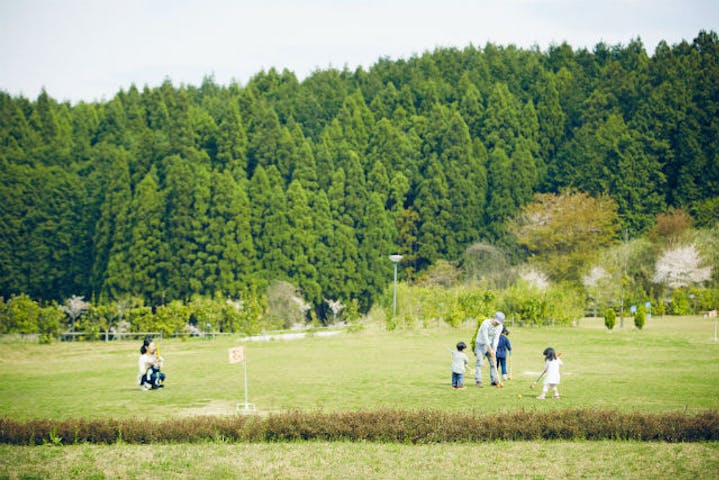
[(318, 460), (670, 366)]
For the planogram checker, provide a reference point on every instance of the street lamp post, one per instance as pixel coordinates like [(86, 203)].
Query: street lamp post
[(395, 259)]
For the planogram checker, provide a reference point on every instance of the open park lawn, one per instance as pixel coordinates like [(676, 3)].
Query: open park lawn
[(672, 365)]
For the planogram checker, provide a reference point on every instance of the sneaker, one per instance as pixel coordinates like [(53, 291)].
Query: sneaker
[(555, 396), (541, 397), (144, 387), (461, 388), (499, 385), (479, 384)]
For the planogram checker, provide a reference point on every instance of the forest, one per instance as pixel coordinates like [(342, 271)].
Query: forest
[(176, 192)]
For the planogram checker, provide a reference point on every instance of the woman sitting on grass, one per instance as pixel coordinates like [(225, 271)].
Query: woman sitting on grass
[(149, 365)]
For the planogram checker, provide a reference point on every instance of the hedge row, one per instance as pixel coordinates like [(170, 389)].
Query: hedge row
[(413, 427)]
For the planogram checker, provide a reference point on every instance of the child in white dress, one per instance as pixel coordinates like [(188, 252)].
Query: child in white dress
[(551, 369)]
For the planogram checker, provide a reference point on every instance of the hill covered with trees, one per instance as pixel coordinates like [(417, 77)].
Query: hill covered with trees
[(169, 192)]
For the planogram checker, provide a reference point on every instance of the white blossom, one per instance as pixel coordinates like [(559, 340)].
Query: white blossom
[(303, 306), (123, 326), (335, 305), (236, 304), (75, 306), (596, 275), (680, 267), (535, 278)]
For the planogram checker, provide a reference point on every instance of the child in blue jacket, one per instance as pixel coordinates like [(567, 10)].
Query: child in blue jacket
[(503, 347)]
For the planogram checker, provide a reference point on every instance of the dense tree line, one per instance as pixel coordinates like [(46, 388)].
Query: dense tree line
[(170, 192)]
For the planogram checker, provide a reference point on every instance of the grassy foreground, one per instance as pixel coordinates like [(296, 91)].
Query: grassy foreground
[(537, 460), (670, 366)]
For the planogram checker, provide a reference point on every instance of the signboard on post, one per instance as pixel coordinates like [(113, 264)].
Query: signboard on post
[(239, 355)]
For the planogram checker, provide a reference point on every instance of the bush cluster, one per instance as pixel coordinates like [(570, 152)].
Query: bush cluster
[(411, 427), (423, 305), (532, 306), (21, 315)]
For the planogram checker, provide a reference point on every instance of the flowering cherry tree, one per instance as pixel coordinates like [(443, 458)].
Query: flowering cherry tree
[(680, 267), (74, 307), (336, 307), (303, 306), (535, 278)]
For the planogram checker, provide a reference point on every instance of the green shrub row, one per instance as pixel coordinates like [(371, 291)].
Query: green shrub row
[(85, 321), (412, 427), (523, 304)]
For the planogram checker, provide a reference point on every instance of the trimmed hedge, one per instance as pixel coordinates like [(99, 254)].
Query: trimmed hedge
[(412, 427)]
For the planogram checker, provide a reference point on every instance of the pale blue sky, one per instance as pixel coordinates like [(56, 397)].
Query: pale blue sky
[(89, 49)]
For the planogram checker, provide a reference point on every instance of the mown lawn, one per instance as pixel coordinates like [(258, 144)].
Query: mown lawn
[(670, 366), (341, 460)]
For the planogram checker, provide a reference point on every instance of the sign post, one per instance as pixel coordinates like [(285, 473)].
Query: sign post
[(713, 314), (239, 355)]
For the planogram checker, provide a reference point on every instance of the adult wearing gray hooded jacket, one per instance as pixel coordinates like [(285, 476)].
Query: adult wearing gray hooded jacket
[(486, 341)]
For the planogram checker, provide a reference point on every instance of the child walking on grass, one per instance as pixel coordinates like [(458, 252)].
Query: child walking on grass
[(551, 369), (459, 363), (504, 348)]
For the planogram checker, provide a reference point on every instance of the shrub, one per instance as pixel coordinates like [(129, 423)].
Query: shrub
[(286, 305), (427, 304), (169, 319), (680, 302), (49, 322), (554, 305), (704, 299), (411, 427), (640, 317), (20, 315), (564, 304), (610, 318)]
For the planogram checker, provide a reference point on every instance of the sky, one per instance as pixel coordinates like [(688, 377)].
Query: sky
[(88, 50)]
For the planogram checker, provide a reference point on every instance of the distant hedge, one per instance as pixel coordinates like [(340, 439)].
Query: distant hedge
[(412, 427)]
